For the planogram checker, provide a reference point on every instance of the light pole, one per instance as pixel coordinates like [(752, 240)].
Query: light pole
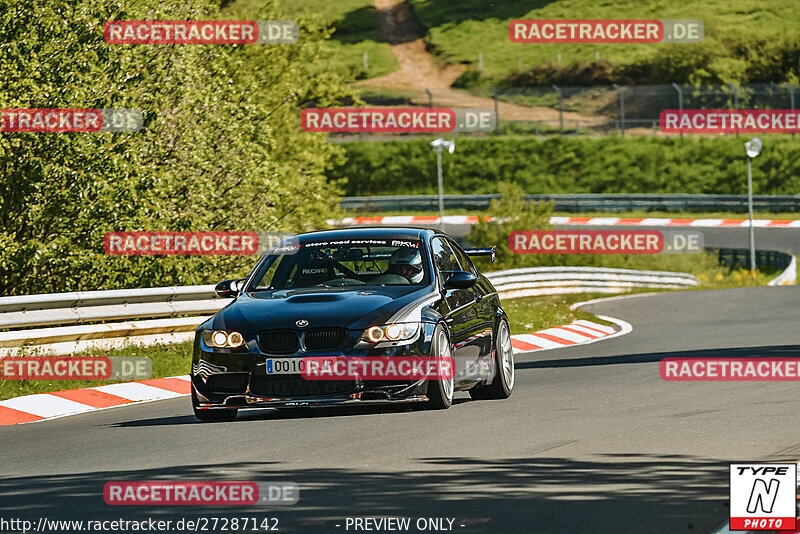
[(751, 148), (438, 146)]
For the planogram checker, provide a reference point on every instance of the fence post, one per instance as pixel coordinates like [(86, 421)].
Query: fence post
[(680, 99), (366, 62), (430, 98), (560, 109), (496, 114), (735, 95), (480, 61), (791, 96), (735, 100), (655, 128), (621, 108)]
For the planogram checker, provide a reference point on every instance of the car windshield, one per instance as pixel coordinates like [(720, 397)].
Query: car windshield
[(342, 263)]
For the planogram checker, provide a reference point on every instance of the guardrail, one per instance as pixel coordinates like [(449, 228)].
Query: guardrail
[(70, 311), (87, 306), (788, 276), (535, 281), (77, 308), (765, 259), (576, 203)]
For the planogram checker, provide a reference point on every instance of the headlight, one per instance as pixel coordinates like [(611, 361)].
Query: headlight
[(222, 339), (390, 332)]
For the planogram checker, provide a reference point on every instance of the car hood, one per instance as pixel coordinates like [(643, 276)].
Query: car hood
[(352, 308)]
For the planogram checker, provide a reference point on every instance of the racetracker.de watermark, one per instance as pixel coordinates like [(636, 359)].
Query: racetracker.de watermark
[(58, 120), (605, 31), (180, 243), (75, 368), (224, 32), (730, 369), (605, 242), (378, 368), (729, 121), (202, 493), (397, 120)]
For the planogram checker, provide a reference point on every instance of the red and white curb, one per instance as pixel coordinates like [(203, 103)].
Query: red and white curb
[(653, 221), (45, 406), (577, 333), (587, 221), (41, 406)]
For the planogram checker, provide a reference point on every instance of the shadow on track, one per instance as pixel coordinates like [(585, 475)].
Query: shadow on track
[(776, 351), (613, 493), (271, 414)]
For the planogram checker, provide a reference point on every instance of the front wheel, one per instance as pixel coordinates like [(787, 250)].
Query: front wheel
[(503, 382), (211, 416), (440, 391)]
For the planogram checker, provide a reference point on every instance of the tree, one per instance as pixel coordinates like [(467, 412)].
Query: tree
[(221, 147)]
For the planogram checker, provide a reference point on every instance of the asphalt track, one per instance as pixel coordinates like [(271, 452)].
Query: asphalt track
[(592, 440)]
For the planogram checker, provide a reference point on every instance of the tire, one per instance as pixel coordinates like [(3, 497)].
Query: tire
[(503, 381), (440, 392), (211, 416)]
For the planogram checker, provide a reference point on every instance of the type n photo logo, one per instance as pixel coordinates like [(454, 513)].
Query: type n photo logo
[(763, 496)]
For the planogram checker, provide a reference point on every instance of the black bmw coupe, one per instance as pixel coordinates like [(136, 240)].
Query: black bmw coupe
[(352, 293)]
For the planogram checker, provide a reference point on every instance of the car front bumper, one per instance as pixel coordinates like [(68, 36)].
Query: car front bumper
[(237, 378)]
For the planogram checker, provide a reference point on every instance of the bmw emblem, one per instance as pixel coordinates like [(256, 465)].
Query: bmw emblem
[(301, 323)]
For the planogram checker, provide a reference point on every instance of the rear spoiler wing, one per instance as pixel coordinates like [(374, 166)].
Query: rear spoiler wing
[(482, 252)]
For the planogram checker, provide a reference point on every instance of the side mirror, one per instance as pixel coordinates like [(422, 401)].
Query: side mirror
[(229, 289), (459, 280)]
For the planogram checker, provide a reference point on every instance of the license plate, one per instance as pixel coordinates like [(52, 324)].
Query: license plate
[(285, 366)]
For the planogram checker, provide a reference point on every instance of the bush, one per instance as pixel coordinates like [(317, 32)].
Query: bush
[(572, 165), (221, 148)]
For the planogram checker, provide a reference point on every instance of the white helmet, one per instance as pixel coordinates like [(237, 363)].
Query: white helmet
[(407, 262)]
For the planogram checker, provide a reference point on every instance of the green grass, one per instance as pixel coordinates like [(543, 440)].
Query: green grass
[(459, 30), (356, 32), (529, 314), (168, 360)]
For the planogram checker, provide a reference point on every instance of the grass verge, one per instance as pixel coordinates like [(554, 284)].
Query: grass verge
[(168, 360), (529, 314)]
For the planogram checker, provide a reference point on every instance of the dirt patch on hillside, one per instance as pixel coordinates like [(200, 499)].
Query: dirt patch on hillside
[(419, 71)]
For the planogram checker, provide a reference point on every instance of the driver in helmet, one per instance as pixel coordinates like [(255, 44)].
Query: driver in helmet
[(407, 262)]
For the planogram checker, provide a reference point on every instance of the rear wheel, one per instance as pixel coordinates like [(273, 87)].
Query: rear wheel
[(440, 391), (215, 415), (503, 382)]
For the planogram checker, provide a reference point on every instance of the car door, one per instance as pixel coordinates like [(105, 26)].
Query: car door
[(485, 305), (461, 316)]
